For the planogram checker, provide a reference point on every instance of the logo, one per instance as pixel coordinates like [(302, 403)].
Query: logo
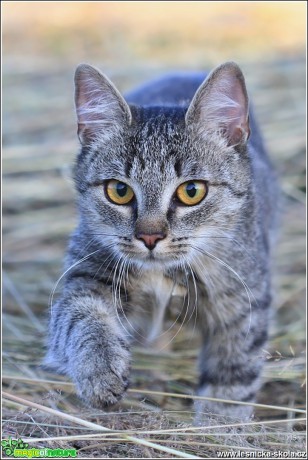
[(9, 445), (17, 448)]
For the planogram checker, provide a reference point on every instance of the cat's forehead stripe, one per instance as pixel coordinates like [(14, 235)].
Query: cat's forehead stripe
[(155, 143)]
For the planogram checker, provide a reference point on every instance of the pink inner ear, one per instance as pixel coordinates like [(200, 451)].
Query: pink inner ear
[(89, 102), (238, 135), (237, 129), (230, 116), (87, 108), (238, 126), (101, 109)]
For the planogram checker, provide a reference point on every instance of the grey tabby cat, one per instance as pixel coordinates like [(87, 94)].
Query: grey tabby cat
[(176, 210)]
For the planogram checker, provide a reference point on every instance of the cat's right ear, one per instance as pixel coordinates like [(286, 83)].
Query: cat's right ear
[(101, 109)]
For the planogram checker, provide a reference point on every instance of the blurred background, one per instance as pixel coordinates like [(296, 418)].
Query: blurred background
[(43, 42)]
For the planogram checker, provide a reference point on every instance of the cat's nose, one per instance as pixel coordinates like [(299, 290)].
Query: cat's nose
[(150, 240)]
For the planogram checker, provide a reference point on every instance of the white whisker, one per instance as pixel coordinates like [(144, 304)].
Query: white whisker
[(63, 274), (115, 293), (195, 308), (181, 325), (246, 287)]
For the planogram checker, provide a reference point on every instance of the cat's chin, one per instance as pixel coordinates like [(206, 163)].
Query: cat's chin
[(155, 262)]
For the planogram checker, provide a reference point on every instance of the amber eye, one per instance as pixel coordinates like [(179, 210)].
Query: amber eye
[(119, 192), (191, 192)]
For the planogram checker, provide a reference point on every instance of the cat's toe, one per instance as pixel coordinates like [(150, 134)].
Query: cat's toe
[(102, 390)]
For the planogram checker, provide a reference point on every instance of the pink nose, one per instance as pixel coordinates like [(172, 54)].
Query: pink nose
[(150, 240)]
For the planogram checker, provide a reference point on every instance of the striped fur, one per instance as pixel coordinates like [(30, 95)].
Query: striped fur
[(212, 265)]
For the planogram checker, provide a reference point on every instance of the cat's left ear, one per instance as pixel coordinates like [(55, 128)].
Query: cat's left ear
[(220, 106), (101, 109)]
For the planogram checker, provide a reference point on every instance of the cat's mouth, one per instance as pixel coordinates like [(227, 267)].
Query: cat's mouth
[(155, 258)]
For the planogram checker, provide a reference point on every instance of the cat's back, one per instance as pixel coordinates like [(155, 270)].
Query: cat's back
[(168, 89)]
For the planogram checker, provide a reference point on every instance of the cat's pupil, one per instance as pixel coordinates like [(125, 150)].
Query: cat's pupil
[(121, 189), (191, 189)]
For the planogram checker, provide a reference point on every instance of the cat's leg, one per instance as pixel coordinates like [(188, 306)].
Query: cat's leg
[(231, 363), (87, 343)]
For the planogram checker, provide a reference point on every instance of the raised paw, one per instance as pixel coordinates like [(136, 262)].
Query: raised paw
[(101, 379)]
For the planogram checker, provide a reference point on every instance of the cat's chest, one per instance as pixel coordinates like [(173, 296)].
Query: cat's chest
[(152, 298)]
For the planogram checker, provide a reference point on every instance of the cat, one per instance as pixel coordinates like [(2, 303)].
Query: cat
[(177, 201)]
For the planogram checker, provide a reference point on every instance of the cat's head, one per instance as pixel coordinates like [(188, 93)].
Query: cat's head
[(158, 185)]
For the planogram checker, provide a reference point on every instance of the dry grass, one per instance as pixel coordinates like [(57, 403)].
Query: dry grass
[(40, 53)]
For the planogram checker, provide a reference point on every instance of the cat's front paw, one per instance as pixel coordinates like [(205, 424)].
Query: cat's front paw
[(102, 380)]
